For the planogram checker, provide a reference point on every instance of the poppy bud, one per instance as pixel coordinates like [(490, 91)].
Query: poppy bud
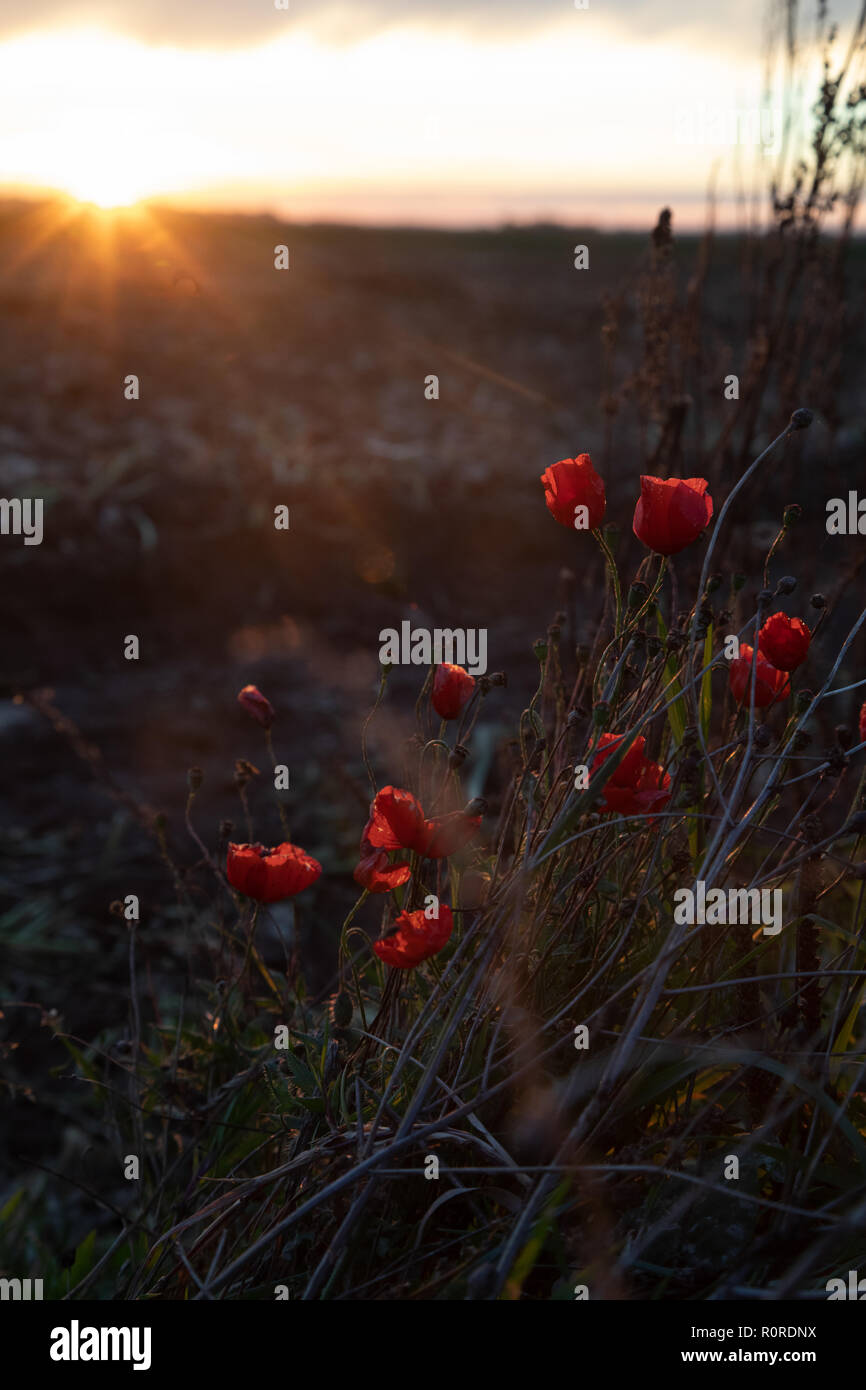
[(671, 513), (637, 594), (452, 690), (574, 483), (458, 756), (253, 701)]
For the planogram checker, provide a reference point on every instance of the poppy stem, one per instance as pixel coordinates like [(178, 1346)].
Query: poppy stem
[(614, 576), (365, 726), (273, 757), (363, 898)]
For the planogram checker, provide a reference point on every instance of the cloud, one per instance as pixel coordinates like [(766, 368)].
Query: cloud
[(209, 24), (221, 23)]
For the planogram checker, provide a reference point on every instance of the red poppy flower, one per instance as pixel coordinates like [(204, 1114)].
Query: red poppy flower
[(671, 513), (377, 874), (638, 786), (255, 704), (629, 769), (270, 874), (452, 689), (414, 937), (574, 483), (397, 821), (784, 641), (770, 683)]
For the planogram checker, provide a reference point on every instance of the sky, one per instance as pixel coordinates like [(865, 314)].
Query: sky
[(450, 112)]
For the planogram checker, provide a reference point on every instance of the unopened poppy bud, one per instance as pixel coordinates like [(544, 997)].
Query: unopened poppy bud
[(253, 701), (601, 715), (802, 701), (786, 585), (539, 646), (738, 582), (818, 601), (792, 514), (341, 1009), (801, 419), (194, 778), (458, 756), (244, 772)]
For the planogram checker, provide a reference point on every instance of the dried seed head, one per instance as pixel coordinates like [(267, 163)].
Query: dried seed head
[(801, 419)]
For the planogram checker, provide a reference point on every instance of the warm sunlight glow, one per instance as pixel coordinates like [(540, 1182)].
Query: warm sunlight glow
[(401, 124)]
